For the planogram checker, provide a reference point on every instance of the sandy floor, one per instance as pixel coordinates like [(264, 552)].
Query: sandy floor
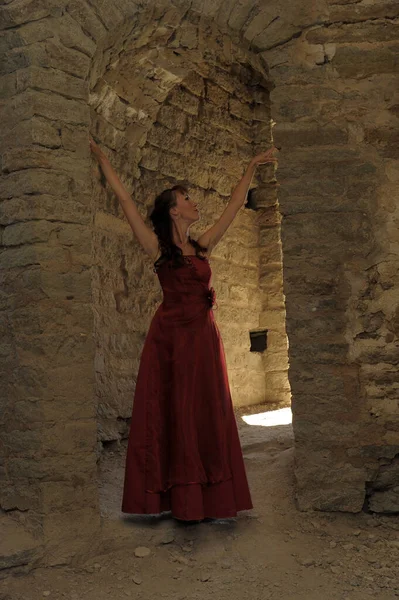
[(271, 552)]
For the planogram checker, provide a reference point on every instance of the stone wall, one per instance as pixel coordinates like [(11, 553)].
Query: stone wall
[(335, 104), (161, 126), (334, 100)]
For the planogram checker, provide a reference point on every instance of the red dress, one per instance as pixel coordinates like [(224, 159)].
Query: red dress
[(184, 453)]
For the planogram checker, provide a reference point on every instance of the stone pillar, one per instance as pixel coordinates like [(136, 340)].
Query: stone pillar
[(48, 463), (272, 318), (337, 168)]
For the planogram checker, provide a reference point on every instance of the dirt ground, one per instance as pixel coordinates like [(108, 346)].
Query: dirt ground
[(271, 552)]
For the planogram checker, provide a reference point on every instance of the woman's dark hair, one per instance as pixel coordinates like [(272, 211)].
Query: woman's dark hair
[(162, 223)]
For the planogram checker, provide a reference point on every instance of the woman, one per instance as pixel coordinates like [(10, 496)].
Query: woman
[(184, 453)]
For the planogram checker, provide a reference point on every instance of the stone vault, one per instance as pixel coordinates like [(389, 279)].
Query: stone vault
[(181, 90)]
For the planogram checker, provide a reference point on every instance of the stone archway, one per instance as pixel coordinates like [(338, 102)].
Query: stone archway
[(152, 111), (339, 240)]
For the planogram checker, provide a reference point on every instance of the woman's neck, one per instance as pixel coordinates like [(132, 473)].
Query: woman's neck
[(180, 235)]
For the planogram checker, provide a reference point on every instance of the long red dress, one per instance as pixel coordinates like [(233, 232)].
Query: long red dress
[(184, 453)]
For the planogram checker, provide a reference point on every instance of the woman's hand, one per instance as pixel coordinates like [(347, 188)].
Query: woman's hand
[(96, 150), (265, 157)]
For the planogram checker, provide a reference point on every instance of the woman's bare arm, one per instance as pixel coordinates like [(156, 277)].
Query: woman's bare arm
[(212, 236), (146, 237)]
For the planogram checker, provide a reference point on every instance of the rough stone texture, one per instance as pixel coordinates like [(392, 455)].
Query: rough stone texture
[(340, 247), (170, 113), (334, 98)]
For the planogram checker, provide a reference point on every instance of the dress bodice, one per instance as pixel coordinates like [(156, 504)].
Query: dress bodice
[(189, 283)]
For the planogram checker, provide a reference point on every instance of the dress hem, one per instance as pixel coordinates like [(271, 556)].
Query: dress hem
[(193, 502), (180, 483)]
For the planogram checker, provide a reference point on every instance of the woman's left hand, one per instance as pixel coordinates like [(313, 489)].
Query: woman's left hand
[(265, 157)]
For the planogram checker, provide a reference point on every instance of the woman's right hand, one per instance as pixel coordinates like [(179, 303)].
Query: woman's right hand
[(96, 150)]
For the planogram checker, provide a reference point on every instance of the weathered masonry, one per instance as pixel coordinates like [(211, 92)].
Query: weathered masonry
[(188, 91)]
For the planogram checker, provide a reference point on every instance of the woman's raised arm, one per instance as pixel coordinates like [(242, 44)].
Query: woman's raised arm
[(146, 237), (212, 236)]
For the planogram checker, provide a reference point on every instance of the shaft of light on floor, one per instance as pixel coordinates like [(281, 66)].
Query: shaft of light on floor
[(283, 416)]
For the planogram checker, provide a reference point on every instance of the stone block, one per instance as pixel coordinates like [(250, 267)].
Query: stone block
[(22, 443), (33, 182), (353, 33), (55, 348), (290, 102), (358, 63), (8, 86), (276, 33), (271, 279), (27, 10), (31, 255), (229, 163), (246, 316), (309, 135), (67, 286), (221, 79), (239, 294), (327, 483), (19, 546), (269, 217), (72, 35), (194, 83), (87, 18), (351, 235), (216, 94), (64, 531), (270, 255), (386, 501), (172, 118), (276, 362), (223, 184), (218, 118), (150, 159), (43, 207), (21, 233), (22, 495), (240, 110), (15, 59), (278, 380), (17, 159), (63, 496), (165, 138), (197, 175), (247, 387), (273, 320), (269, 237), (276, 341), (35, 131), (347, 13), (260, 22), (262, 113), (172, 166), (27, 34), (188, 36), (53, 80), (50, 468), (112, 13), (239, 357), (318, 351), (33, 103), (385, 139), (54, 54), (72, 439), (239, 14)]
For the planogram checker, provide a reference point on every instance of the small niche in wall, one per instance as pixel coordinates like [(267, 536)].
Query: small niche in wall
[(250, 203), (258, 340)]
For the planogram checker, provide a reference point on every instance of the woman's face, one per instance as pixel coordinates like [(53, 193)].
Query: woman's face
[(185, 208)]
